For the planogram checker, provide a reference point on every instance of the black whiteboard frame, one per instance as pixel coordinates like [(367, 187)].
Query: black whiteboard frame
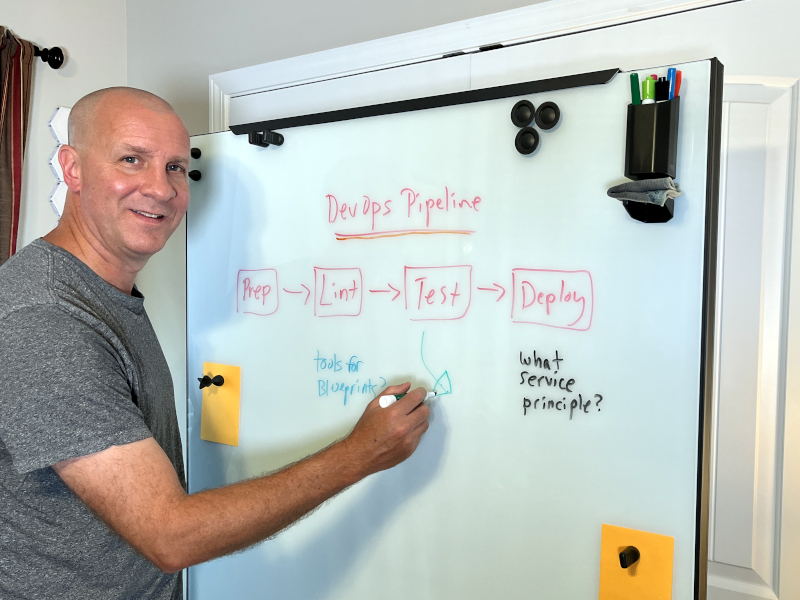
[(708, 333), (710, 249), (454, 99)]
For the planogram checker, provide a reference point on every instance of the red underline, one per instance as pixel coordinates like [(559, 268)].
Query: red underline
[(398, 232)]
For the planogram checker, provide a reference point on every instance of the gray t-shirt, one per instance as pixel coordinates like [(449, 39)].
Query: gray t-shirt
[(80, 370)]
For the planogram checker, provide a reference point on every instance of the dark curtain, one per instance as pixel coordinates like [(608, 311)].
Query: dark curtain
[(16, 69)]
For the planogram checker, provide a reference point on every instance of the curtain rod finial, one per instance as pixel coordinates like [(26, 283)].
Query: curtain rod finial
[(52, 56)]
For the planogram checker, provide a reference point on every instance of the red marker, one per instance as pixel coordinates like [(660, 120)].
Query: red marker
[(654, 77), (677, 83)]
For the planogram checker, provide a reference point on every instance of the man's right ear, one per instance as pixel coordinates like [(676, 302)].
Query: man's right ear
[(71, 167)]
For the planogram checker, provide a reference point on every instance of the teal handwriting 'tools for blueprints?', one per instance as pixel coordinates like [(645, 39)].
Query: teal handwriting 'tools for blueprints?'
[(389, 400)]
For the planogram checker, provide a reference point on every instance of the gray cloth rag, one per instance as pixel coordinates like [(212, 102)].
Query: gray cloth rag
[(651, 191)]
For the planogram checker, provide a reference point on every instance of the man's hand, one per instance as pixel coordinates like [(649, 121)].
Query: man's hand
[(384, 437), (134, 488)]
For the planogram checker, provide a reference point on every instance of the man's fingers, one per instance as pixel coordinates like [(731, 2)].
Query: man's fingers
[(391, 390), (387, 436), (422, 428), (412, 409), (411, 400), (420, 414), (415, 435), (397, 389)]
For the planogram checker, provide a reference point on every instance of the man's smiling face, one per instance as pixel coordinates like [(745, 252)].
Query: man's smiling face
[(133, 177)]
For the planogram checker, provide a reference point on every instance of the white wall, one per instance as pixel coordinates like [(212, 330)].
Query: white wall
[(173, 48), (92, 35)]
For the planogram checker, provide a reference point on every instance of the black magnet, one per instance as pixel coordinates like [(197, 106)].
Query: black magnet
[(206, 381), (527, 140), (522, 113), (628, 557), (547, 115)]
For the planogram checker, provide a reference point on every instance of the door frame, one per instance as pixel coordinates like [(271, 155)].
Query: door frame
[(773, 463), (553, 18)]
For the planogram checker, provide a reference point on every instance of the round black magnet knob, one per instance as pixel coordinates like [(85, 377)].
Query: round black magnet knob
[(628, 557), (527, 140), (206, 381), (547, 115), (195, 175), (196, 153), (522, 113)]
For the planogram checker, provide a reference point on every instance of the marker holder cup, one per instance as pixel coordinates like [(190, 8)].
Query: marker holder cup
[(651, 152)]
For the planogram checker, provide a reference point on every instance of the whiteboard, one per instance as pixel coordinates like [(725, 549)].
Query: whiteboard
[(374, 278)]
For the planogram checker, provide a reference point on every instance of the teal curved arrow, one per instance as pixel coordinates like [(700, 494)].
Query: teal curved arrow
[(443, 385)]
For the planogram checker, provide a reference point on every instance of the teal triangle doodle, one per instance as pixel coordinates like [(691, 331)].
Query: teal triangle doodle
[(443, 385)]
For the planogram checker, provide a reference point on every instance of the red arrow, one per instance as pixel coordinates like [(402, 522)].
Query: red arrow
[(308, 292), (397, 292), (497, 288)]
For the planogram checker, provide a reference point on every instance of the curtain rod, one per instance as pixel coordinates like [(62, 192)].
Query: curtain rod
[(52, 56)]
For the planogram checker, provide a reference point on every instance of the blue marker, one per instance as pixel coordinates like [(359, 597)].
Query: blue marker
[(671, 79)]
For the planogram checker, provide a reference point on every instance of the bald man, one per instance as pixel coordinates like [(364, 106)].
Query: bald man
[(92, 489)]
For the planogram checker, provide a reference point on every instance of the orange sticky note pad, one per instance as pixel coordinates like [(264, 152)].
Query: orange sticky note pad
[(219, 417), (649, 578)]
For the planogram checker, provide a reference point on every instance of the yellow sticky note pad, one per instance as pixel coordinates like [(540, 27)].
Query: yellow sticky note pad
[(219, 418), (650, 578)]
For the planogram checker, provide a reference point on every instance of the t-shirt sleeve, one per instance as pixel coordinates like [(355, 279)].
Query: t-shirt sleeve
[(64, 392)]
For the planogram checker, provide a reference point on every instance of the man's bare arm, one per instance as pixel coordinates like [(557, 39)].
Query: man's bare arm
[(135, 490)]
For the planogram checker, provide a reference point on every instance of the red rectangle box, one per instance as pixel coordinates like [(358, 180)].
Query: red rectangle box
[(337, 292), (438, 293), (563, 299), (257, 292)]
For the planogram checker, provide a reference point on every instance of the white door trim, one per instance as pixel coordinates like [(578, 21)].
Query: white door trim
[(763, 579), (530, 23)]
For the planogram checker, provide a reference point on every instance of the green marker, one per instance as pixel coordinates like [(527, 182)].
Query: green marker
[(648, 91), (635, 99), (389, 400)]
